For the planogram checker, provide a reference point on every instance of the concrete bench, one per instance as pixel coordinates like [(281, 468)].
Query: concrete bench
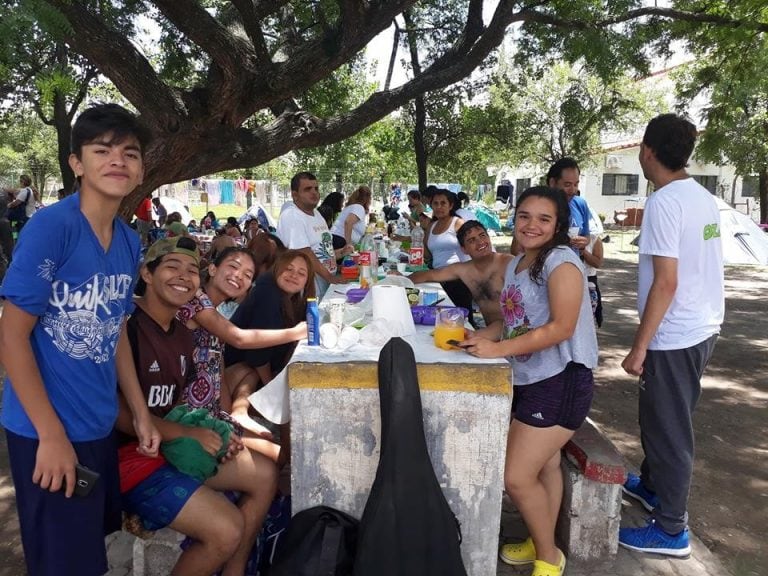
[(154, 553), (590, 514)]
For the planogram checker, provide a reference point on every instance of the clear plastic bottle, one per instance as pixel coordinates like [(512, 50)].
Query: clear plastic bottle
[(369, 259), (416, 252)]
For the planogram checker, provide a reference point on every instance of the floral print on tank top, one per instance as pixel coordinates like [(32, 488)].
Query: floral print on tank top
[(516, 322)]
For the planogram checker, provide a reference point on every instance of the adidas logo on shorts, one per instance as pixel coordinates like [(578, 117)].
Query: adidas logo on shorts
[(538, 416)]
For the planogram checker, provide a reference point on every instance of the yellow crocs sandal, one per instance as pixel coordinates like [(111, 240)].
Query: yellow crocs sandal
[(541, 568), (519, 553)]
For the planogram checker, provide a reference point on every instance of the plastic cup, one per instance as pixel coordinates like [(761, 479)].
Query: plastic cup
[(336, 312), (573, 231), (402, 267), (449, 325)]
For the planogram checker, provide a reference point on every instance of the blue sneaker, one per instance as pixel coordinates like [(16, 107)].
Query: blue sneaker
[(654, 540), (634, 488)]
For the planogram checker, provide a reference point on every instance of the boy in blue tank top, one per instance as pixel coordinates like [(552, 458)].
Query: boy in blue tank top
[(65, 350)]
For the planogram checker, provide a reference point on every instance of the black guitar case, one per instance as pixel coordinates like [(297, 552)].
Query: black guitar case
[(407, 528)]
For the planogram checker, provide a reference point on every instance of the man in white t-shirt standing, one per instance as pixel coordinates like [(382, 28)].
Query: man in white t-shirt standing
[(681, 304), (301, 227)]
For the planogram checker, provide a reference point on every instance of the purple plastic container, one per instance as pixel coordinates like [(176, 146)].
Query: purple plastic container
[(354, 295), (427, 315)]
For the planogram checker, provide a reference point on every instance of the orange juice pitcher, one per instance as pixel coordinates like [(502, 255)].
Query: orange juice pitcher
[(449, 325)]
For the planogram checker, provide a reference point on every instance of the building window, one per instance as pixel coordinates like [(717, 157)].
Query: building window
[(522, 184), (709, 182), (620, 184), (750, 186)]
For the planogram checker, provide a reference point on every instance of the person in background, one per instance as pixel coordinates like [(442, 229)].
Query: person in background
[(160, 211), (65, 349), (6, 235), (564, 175), (463, 210), (301, 227), (252, 229), (592, 255), (143, 215), (232, 229), (443, 245), (680, 298), (548, 334), (220, 242), (483, 274), (174, 226), (415, 207), (25, 196), (265, 248), (349, 227), (160, 493), (192, 227), (331, 206), (210, 222)]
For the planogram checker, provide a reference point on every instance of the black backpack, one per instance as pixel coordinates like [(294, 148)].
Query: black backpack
[(319, 541), (407, 528)]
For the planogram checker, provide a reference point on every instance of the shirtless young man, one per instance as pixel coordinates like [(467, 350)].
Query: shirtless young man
[(483, 275)]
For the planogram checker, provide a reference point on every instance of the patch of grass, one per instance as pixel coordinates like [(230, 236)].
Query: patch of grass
[(222, 211)]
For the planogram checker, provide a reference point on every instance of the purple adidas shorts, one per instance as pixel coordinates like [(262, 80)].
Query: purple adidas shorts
[(560, 400)]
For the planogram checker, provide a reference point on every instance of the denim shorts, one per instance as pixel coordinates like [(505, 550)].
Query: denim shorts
[(560, 400)]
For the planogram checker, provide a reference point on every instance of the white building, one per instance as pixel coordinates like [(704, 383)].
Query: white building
[(613, 180)]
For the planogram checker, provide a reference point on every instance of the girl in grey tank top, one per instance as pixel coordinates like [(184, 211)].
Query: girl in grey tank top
[(548, 335)]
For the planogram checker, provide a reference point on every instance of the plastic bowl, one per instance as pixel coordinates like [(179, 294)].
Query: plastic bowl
[(355, 295)]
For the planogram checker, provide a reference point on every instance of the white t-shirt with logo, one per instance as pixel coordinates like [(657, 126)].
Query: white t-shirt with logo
[(299, 230), (681, 220)]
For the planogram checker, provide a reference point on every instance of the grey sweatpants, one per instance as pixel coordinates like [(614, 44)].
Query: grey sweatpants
[(669, 390)]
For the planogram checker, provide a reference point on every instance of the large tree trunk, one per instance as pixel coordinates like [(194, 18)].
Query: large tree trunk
[(419, 146), (763, 185), (420, 111), (62, 121)]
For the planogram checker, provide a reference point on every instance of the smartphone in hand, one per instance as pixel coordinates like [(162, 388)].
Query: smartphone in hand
[(454, 343), (85, 480)]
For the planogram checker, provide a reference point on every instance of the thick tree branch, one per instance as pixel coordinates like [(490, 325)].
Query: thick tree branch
[(252, 26), (117, 58), (229, 52), (667, 13), (311, 61), (293, 129), (82, 92)]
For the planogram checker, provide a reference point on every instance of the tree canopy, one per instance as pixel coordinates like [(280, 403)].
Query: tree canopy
[(230, 87), (227, 85), (729, 70)]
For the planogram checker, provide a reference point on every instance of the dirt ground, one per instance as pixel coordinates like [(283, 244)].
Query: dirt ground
[(729, 498)]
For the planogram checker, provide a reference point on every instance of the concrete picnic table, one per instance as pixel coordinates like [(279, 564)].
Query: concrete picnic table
[(335, 433)]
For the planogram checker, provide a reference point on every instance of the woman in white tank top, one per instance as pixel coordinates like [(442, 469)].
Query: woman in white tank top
[(443, 244), (441, 239)]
